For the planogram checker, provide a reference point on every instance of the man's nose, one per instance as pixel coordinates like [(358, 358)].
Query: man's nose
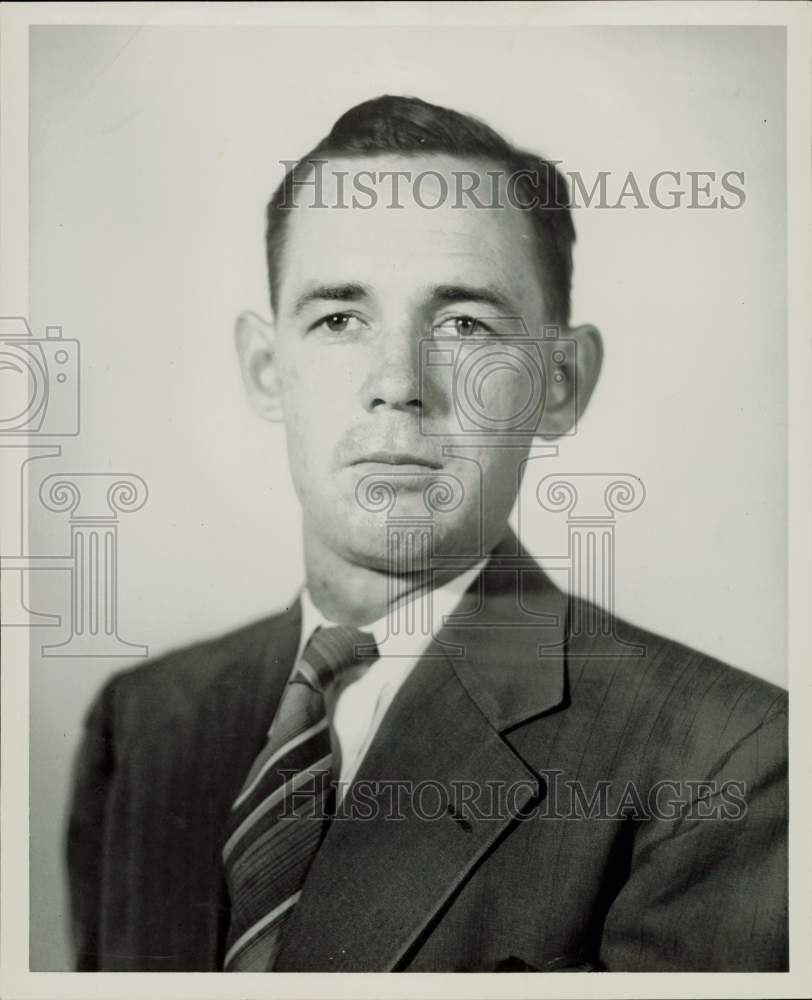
[(393, 379)]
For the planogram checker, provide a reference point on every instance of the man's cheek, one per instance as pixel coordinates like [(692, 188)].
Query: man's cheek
[(497, 390), (310, 439)]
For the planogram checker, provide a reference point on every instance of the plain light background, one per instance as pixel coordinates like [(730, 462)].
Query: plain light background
[(153, 152)]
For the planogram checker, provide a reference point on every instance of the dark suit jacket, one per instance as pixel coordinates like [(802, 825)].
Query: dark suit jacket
[(535, 882)]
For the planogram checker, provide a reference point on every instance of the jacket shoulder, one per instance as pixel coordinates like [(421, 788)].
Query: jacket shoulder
[(679, 697), (173, 684)]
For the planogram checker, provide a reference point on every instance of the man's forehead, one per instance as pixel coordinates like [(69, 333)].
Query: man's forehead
[(396, 182), (408, 216)]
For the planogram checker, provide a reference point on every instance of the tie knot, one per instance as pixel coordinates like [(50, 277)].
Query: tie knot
[(331, 651)]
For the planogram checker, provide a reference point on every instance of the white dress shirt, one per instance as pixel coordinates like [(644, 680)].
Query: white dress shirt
[(359, 701)]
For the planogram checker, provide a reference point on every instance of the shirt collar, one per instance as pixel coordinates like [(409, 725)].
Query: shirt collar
[(408, 628)]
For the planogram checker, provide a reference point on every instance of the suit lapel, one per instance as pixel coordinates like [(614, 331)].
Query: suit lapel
[(240, 707), (231, 727), (405, 839)]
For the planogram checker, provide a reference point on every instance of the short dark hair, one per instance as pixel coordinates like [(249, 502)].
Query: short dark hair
[(413, 127)]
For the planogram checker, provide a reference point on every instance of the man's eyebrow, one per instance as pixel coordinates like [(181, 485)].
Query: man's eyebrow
[(350, 291), (489, 294)]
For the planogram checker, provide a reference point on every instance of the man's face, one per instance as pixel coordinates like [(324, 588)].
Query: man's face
[(374, 437)]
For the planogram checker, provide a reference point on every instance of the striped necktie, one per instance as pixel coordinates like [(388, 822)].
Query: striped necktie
[(278, 819)]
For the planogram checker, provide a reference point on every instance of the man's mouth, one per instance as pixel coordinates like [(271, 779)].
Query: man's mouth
[(405, 461)]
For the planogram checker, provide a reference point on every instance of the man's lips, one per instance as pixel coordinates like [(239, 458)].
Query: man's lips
[(395, 458)]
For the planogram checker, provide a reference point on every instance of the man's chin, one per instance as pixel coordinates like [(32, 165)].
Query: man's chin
[(404, 492), (408, 545)]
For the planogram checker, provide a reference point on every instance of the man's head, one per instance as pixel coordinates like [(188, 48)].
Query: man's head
[(408, 128), (408, 227)]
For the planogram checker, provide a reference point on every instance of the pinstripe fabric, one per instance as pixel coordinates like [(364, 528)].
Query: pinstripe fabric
[(277, 820), (168, 745)]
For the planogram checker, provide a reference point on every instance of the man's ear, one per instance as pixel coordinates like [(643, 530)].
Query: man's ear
[(254, 338), (571, 380)]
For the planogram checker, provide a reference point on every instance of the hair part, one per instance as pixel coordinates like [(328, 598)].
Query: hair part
[(412, 127)]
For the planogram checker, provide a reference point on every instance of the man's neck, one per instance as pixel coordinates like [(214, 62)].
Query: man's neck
[(354, 594)]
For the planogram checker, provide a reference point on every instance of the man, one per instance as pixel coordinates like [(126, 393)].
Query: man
[(426, 763)]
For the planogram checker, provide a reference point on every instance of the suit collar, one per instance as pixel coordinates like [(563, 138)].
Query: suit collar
[(505, 638), (509, 633)]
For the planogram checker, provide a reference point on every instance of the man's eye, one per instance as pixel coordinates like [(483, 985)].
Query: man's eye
[(339, 323), (463, 326)]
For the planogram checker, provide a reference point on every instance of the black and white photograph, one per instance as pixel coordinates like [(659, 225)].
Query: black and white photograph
[(405, 444)]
